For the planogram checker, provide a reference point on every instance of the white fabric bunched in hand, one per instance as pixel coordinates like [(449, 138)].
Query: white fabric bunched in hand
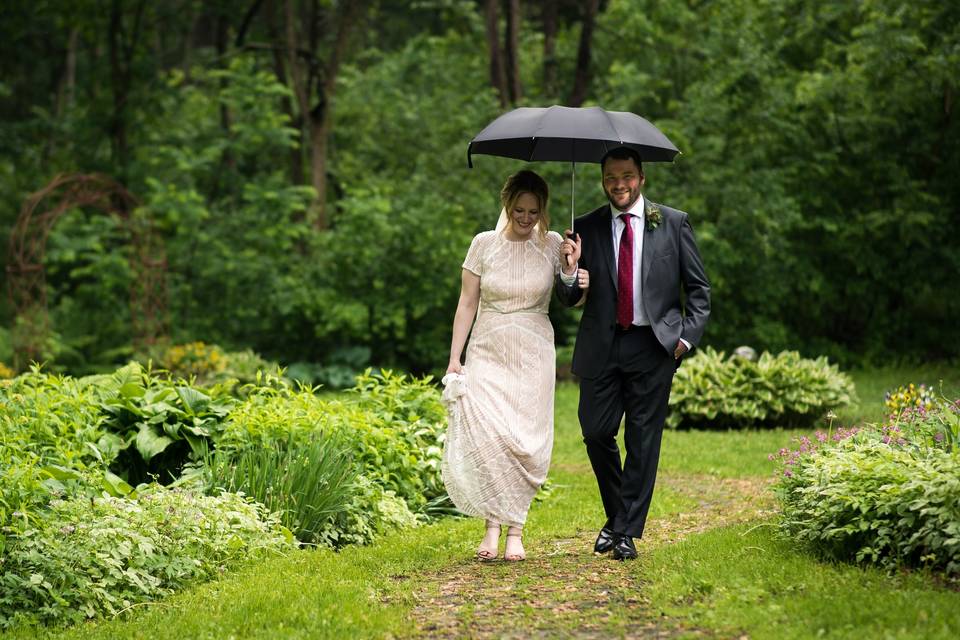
[(454, 386)]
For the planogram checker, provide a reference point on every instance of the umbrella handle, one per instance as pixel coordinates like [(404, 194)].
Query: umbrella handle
[(573, 182)]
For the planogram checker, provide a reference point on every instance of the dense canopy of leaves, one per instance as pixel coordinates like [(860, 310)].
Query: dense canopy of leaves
[(820, 153)]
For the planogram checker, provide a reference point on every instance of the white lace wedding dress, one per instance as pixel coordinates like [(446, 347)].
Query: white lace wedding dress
[(500, 434)]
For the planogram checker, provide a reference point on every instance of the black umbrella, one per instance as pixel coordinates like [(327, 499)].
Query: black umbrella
[(570, 135)]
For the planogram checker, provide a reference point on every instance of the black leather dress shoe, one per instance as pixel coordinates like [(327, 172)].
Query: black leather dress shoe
[(605, 541), (624, 549)]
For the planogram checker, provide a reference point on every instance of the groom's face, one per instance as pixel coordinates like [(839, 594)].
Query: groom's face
[(622, 180)]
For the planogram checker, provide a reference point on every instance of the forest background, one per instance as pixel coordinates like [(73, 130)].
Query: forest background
[(304, 163)]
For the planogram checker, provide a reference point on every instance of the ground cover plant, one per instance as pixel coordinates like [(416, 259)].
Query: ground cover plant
[(716, 391), (89, 557), (884, 493)]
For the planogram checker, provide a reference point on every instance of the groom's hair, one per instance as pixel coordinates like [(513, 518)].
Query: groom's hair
[(621, 153)]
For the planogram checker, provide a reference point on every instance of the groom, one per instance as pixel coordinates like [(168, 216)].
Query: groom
[(635, 329)]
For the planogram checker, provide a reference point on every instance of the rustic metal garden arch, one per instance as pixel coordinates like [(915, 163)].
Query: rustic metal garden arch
[(26, 280)]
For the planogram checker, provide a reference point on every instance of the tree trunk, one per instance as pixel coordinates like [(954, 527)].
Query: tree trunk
[(582, 77), (69, 87), (248, 17), (119, 85), (122, 53), (549, 47), (226, 118), (319, 136), (498, 78), (320, 114), (296, 121), (314, 82), (512, 51)]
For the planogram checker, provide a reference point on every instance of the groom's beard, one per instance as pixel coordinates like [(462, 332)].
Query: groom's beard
[(633, 201)]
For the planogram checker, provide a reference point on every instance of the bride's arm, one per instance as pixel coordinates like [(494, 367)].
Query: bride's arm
[(463, 320)]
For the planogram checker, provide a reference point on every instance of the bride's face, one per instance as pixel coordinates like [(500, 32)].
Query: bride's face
[(525, 214)]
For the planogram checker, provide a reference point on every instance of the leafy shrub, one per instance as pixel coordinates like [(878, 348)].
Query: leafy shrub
[(394, 428), (715, 391), (371, 511), (49, 425), (6, 372), (885, 494), (192, 360), (306, 483), (404, 442), (92, 557), (208, 364), (246, 367)]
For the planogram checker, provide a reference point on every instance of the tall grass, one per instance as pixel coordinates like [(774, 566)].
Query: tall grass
[(304, 482)]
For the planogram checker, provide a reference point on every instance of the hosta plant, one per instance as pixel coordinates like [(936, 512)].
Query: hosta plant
[(156, 425), (712, 390)]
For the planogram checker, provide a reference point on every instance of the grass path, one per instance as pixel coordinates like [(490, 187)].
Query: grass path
[(562, 588)]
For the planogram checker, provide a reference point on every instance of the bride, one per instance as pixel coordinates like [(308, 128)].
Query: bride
[(500, 402)]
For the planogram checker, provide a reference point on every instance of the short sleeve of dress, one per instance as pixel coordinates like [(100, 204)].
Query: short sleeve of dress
[(554, 240), (474, 260)]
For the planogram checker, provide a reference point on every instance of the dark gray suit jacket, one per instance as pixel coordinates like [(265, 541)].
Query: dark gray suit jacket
[(670, 264)]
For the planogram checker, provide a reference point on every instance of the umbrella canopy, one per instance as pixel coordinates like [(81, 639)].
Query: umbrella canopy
[(570, 134)]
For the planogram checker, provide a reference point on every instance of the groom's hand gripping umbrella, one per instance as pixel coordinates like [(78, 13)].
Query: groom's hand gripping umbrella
[(570, 134)]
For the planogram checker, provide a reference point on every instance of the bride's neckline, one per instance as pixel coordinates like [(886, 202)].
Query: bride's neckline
[(503, 234)]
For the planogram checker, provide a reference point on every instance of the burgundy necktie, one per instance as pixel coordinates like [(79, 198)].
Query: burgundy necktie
[(625, 275)]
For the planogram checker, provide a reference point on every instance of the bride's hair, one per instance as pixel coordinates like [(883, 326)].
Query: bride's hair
[(522, 182)]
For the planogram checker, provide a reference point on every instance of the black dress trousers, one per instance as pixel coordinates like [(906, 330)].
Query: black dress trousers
[(635, 382)]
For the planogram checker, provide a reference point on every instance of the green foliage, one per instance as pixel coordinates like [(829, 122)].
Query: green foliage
[(86, 558), (716, 391), (393, 428), (884, 494), (80, 540), (371, 512), (306, 483), (404, 445), (208, 364), (156, 425), (819, 155), (870, 502), (339, 369), (51, 444)]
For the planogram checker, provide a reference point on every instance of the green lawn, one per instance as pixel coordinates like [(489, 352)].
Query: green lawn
[(724, 582)]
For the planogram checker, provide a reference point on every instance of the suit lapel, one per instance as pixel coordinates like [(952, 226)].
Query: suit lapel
[(649, 248), (605, 229)]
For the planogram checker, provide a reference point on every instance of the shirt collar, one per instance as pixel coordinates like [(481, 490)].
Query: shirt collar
[(636, 209)]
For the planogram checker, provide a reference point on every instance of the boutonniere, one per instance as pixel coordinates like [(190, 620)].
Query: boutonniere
[(653, 216)]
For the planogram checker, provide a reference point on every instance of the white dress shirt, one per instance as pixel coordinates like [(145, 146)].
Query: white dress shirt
[(637, 224)]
